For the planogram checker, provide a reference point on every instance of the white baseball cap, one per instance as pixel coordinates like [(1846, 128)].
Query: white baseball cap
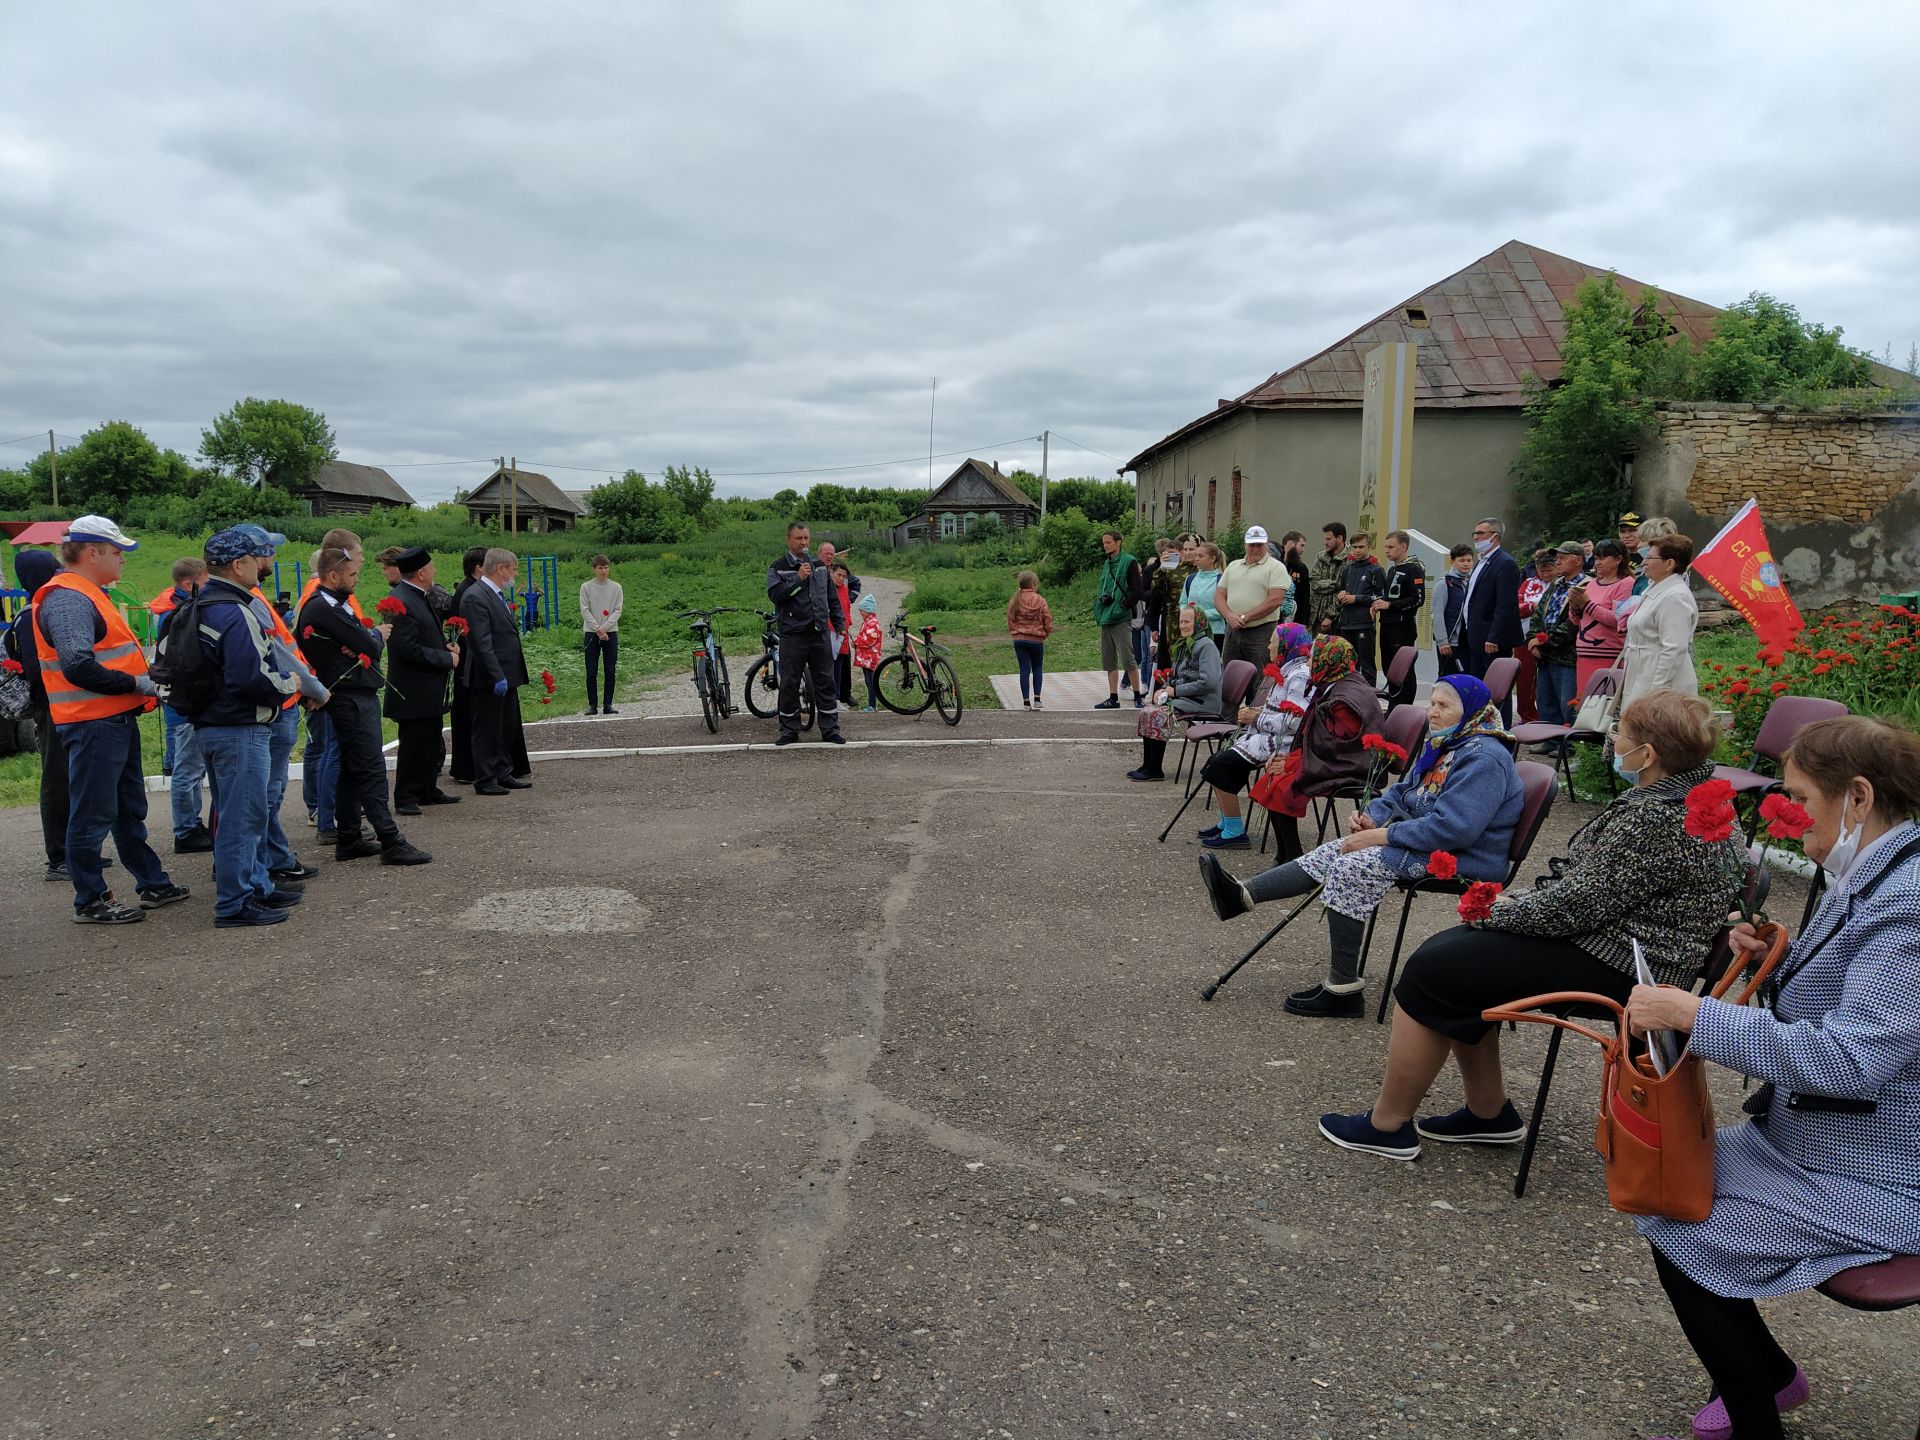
[(98, 530), (1256, 535)]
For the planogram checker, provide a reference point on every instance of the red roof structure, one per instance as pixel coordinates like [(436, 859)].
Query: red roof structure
[(37, 532), (1481, 332)]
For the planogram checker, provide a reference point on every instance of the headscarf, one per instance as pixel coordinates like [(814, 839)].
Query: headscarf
[(1293, 642), (1331, 659), (34, 568), (1479, 716)]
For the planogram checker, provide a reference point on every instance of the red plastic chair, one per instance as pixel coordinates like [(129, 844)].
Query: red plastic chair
[(1499, 678), (1784, 720), (1537, 785), (1235, 681)]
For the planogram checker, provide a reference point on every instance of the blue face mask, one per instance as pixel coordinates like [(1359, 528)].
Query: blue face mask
[(1632, 777)]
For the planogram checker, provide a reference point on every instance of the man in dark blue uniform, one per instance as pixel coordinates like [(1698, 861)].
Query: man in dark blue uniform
[(807, 608)]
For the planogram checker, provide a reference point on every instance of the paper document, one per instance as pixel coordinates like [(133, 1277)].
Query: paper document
[(1662, 1045)]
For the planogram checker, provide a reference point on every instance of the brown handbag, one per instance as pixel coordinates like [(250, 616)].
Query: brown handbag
[(1655, 1132)]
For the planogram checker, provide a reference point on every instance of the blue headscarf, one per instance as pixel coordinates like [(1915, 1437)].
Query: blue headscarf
[(1477, 717), (1294, 642)]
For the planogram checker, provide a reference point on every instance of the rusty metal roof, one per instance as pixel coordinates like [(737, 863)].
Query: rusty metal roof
[(1481, 332)]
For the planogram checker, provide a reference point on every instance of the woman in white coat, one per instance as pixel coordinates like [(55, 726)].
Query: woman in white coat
[(1659, 651)]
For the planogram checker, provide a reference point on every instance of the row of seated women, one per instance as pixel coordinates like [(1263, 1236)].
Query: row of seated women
[(1825, 1175)]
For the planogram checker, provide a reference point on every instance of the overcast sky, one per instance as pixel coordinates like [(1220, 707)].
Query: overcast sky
[(747, 236)]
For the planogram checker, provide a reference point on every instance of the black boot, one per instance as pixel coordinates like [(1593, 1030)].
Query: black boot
[(1342, 996), (1228, 895)]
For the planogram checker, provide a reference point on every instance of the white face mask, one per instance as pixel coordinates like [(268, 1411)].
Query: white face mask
[(1482, 547), (1846, 849)]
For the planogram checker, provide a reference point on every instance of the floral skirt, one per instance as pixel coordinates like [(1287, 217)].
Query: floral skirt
[(1351, 885)]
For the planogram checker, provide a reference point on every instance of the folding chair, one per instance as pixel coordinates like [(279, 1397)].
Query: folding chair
[(1601, 682), (1758, 881), (1537, 785), (1499, 679), (1890, 1285), (1401, 666), (1406, 726), (1784, 720), (1235, 681)]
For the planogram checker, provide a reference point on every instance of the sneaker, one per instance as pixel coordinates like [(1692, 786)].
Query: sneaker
[(399, 852), (278, 899), (1211, 831), (866, 709), (1356, 1132), (356, 850), (591, 710), (197, 841), (785, 737), (249, 914), (1139, 701), (836, 738), (1711, 1423), (1229, 896), (106, 912), (1112, 702), (609, 711), (313, 818), (292, 872), (156, 897), (1026, 704), (1145, 774), (1218, 841), (1463, 1127), (56, 873), (1319, 1003), (1036, 702), (328, 837)]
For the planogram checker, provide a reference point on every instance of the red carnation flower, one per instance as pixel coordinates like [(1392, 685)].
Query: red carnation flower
[(1442, 866), (12, 667), (1785, 819), (1477, 904), (1292, 707), (392, 605), (1381, 745), (1710, 812), (366, 662), (606, 612), (307, 634), (1272, 672)]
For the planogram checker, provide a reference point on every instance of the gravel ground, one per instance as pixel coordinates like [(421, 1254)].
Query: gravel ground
[(697, 1095)]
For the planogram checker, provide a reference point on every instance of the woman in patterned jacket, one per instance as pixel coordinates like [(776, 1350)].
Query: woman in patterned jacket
[(1269, 725), (1631, 874), (1826, 1176)]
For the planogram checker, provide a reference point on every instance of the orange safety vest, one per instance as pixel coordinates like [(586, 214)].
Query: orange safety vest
[(119, 651), (286, 638), (162, 603)]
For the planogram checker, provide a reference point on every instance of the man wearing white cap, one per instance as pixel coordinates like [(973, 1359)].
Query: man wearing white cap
[(1250, 598), (97, 689)]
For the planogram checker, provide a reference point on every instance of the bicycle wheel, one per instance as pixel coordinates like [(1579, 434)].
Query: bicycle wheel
[(709, 702), (946, 691), (725, 686), (806, 700), (761, 688), (898, 682)]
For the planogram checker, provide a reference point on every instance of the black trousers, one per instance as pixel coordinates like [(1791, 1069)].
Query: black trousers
[(601, 652), (1362, 640), (810, 650), (1449, 664), (1745, 1362), (843, 671), (54, 802), (416, 770), (499, 744), (1392, 642), (362, 789), (460, 758)]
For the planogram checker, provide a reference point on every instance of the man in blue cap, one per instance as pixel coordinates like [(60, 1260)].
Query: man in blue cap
[(235, 727)]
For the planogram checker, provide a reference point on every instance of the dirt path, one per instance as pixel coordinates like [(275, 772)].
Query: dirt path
[(669, 693)]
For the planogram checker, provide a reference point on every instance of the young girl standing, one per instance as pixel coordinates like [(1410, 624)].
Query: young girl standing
[(1029, 622), (867, 643)]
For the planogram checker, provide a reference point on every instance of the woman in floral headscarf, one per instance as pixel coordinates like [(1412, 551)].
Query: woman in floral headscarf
[(1461, 796)]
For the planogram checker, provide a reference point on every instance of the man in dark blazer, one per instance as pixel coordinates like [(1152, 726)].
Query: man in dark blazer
[(420, 662), (494, 668), (460, 722), (1493, 603)]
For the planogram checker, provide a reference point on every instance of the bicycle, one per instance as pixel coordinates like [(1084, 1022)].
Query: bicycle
[(761, 688), (710, 665), (920, 665)]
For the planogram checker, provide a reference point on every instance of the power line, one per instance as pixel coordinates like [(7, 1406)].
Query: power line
[(1088, 448)]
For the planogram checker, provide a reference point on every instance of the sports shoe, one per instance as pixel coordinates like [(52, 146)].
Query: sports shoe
[(248, 915), (1712, 1422), (56, 873), (313, 818), (277, 899), (1317, 1002), (1211, 831), (328, 837), (1145, 774), (786, 737), (399, 852), (156, 897), (1229, 896), (1463, 1127), (106, 912), (1139, 701), (197, 841), (1228, 842), (293, 872), (1357, 1132), (1036, 702), (835, 738), (1112, 702), (356, 849), (1026, 704)]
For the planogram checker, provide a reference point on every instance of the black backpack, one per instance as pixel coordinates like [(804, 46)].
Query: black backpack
[(180, 671)]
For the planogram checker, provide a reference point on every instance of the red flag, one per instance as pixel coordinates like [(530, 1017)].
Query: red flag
[(1737, 563)]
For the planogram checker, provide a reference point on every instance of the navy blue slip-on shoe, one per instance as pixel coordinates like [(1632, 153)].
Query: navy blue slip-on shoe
[(1228, 842), (1211, 831), (1357, 1132), (1463, 1127)]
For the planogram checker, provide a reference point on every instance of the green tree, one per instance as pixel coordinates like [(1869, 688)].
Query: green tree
[(224, 501), (20, 491), (113, 464), (265, 442), (1570, 478), (788, 502), (692, 490), (1762, 350), (633, 511), (1105, 502), (826, 504)]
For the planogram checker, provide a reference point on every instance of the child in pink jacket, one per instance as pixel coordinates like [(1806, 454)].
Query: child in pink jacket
[(867, 644), (1029, 622)]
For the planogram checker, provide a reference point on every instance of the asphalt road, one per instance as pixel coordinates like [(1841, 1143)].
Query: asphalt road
[(815, 1092)]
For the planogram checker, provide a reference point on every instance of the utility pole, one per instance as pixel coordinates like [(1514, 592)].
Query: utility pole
[(931, 399), (53, 467), (501, 498), (1046, 437), (516, 494)]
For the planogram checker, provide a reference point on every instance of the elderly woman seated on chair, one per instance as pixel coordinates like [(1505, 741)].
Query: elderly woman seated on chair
[(1192, 689), (1826, 1176), (1630, 874), (1461, 797)]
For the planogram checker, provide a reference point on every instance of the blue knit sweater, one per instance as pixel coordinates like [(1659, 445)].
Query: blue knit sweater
[(1472, 816)]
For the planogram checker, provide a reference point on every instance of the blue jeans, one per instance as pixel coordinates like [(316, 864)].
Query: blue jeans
[(277, 852), (1032, 655), (189, 769), (1143, 654), (107, 794), (1553, 692), (237, 770), (320, 769)]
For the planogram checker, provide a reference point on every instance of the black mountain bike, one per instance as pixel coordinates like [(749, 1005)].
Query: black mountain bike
[(710, 665), (761, 688), (919, 675)]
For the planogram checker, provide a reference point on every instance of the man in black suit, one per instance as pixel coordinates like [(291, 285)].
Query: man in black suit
[(419, 664), (494, 667), (460, 760), (1493, 604)]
